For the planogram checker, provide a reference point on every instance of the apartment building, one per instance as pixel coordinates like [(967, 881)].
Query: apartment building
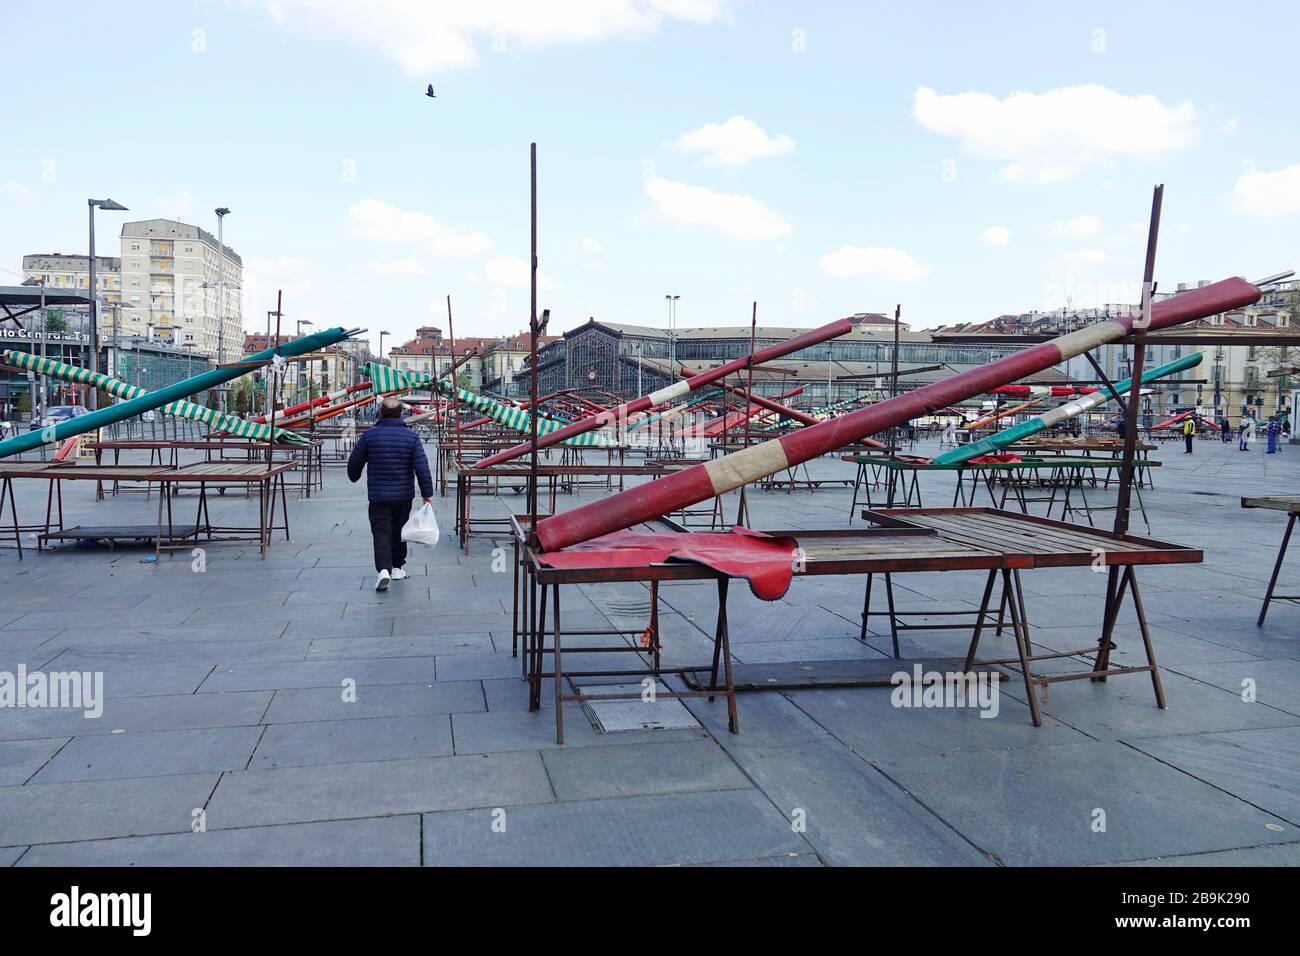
[(63, 271), (172, 279)]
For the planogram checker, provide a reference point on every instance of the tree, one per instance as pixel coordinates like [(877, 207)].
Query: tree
[(56, 320)]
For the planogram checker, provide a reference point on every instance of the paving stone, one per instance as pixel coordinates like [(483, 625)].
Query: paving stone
[(854, 815), (147, 653), (139, 714), (1035, 806), (9, 854), (151, 754), (20, 759), (1285, 855), (380, 700), (379, 841), (497, 731), (454, 667), (89, 810), (785, 859), (1261, 767), (586, 773), (1124, 707), (377, 647), (1275, 683), (332, 673), (767, 719), (132, 681), (380, 788), (867, 721), (629, 831), (351, 741)]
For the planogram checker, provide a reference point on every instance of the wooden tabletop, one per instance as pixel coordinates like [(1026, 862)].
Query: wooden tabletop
[(226, 471), (912, 539), (1290, 503)]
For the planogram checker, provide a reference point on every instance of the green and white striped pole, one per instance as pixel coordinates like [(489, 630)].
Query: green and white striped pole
[(233, 424), (388, 379), (165, 395), (1059, 414)]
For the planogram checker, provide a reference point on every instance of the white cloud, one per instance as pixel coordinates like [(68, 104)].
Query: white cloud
[(1050, 137), (372, 219), (441, 35), (1259, 193), (1080, 227), (593, 246), (735, 215), (512, 273), (996, 235), (732, 143), (873, 262), (398, 267)]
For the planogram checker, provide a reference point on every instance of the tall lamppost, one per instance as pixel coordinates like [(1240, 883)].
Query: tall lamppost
[(306, 360), (672, 334), (109, 206), (221, 212), (381, 344)]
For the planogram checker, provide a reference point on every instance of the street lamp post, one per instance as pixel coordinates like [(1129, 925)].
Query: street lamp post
[(306, 359), (221, 212), (672, 334), (109, 206), (381, 344)]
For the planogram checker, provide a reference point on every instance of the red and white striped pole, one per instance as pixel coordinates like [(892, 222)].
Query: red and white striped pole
[(702, 482), (671, 392)]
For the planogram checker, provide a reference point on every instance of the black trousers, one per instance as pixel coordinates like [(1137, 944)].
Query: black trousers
[(1187, 440), (386, 520)]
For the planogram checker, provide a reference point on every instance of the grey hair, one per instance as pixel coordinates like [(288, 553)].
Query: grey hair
[(390, 408)]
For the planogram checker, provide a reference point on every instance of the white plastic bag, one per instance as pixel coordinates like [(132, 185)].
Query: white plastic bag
[(422, 527)]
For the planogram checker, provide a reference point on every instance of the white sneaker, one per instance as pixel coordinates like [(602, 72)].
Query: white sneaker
[(399, 574), (382, 583)]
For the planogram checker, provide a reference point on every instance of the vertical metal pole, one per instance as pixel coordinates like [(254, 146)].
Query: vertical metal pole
[(749, 390), (221, 303), (455, 405), (893, 391), (1139, 350), (532, 347), (93, 364)]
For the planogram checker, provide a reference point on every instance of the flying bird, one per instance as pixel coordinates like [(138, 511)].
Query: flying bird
[(429, 92)]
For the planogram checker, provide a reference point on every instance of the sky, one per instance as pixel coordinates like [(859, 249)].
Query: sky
[(820, 159)]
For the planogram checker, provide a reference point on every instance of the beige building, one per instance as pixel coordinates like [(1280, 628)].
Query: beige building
[(59, 271), (170, 285)]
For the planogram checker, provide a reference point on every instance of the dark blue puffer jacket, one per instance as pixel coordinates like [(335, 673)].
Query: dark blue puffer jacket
[(393, 455)]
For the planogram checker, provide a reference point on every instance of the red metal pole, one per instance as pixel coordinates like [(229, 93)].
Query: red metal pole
[(702, 482), (674, 391)]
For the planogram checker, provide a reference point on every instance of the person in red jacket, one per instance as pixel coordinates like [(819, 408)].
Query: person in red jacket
[(393, 457)]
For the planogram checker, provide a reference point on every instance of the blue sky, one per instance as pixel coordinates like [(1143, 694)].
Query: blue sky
[(821, 158)]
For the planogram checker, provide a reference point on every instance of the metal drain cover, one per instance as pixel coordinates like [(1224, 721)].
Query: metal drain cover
[(625, 716)]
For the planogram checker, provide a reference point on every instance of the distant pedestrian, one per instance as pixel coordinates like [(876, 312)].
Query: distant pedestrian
[(393, 457), (1225, 429), (1121, 427), (1189, 432), (1274, 432), (1245, 432)]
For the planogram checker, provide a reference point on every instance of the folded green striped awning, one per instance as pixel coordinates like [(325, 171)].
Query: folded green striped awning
[(388, 379), (232, 424)]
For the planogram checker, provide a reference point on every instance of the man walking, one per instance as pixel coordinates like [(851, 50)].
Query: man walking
[(394, 457)]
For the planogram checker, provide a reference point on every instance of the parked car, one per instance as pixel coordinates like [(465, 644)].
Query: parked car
[(57, 414)]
